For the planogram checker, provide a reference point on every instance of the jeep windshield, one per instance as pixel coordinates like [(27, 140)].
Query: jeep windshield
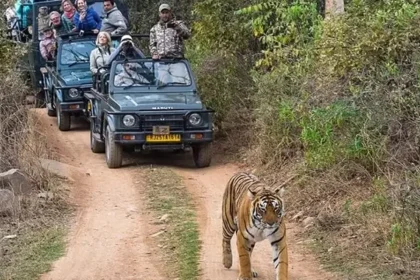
[(73, 53), (159, 74)]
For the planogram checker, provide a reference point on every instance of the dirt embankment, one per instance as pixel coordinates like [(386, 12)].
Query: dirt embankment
[(110, 234)]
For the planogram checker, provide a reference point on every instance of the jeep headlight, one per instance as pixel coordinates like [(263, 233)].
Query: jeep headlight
[(74, 92), (129, 120), (195, 119)]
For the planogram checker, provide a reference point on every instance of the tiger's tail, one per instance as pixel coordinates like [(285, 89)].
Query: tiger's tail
[(228, 218)]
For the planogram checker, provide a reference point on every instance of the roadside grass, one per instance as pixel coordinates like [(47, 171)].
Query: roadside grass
[(166, 195), (33, 239), (349, 264), (32, 226), (31, 255), (33, 236)]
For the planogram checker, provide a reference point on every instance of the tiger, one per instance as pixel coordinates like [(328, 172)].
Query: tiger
[(255, 212)]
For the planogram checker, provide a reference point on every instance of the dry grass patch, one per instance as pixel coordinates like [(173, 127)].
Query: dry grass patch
[(32, 235)]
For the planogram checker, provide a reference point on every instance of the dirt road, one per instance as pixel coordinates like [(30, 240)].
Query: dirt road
[(110, 231), (110, 235), (207, 186)]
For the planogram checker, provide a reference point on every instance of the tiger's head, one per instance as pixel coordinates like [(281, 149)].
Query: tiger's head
[(267, 207)]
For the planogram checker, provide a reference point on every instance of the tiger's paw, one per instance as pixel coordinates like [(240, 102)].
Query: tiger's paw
[(227, 257), (227, 261), (254, 275)]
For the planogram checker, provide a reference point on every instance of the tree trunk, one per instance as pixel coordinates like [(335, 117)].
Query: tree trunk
[(333, 7)]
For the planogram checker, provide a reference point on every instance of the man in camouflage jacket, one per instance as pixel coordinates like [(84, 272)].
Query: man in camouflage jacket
[(166, 37)]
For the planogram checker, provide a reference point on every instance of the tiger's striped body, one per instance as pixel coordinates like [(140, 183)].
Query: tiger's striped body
[(255, 212)]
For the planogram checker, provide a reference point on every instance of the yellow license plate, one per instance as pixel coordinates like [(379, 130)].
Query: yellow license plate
[(163, 138)]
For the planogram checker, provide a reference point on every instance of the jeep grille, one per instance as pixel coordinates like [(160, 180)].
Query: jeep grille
[(175, 122)]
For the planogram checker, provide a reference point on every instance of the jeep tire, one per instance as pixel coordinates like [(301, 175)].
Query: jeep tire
[(96, 146), (113, 151), (63, 119), (202, 154), (51, 112)]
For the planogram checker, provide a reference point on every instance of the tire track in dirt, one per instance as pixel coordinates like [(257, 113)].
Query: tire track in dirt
[(207, 187), (109, 236)]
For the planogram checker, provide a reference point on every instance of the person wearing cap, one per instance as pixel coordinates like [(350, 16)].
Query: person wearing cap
[(167, 36), (43, 20), (47, 46), (126, 50), (114, 22), (129, 76), (61, 25)]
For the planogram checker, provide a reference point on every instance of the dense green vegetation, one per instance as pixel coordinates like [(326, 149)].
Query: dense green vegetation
[(336, 101)]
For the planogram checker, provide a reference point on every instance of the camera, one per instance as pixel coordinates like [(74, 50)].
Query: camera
[(171, 24)]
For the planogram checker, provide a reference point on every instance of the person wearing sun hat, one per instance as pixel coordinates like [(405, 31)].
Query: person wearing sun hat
[(126, 50), (168, 35), (47, 46)]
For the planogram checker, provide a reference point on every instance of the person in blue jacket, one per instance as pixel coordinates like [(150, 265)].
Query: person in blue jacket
[(86, 18), (23, 11)]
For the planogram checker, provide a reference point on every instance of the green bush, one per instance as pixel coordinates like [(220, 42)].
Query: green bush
[(221, 52), (342, 95)]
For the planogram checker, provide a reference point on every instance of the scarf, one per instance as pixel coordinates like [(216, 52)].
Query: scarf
[(70, 14)]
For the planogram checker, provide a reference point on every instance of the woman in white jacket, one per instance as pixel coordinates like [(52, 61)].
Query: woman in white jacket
[(100, 55)]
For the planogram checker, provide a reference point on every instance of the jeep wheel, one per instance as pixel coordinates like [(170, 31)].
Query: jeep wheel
[(202, 154), (51, 113), (63, 120), (113, 151), (96, 146)]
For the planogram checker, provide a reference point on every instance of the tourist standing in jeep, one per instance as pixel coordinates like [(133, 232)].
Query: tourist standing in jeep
[(68, 10), (61, 25), (114, 22), (86, 19), (43, 20), (166, 37), (47, 46), (100, 55)]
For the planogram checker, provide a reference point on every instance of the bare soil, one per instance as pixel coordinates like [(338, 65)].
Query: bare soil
[(110, 234)]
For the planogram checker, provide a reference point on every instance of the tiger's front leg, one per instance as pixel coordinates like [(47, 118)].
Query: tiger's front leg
[(280, 254), (245, 271)]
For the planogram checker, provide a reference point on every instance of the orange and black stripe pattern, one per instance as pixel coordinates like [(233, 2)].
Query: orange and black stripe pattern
[(255, 212)]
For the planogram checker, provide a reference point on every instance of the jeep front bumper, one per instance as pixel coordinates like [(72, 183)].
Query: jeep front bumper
[(74, 106), (183, 137)]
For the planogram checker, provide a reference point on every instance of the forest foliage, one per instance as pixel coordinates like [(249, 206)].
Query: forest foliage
[(337, 100)]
